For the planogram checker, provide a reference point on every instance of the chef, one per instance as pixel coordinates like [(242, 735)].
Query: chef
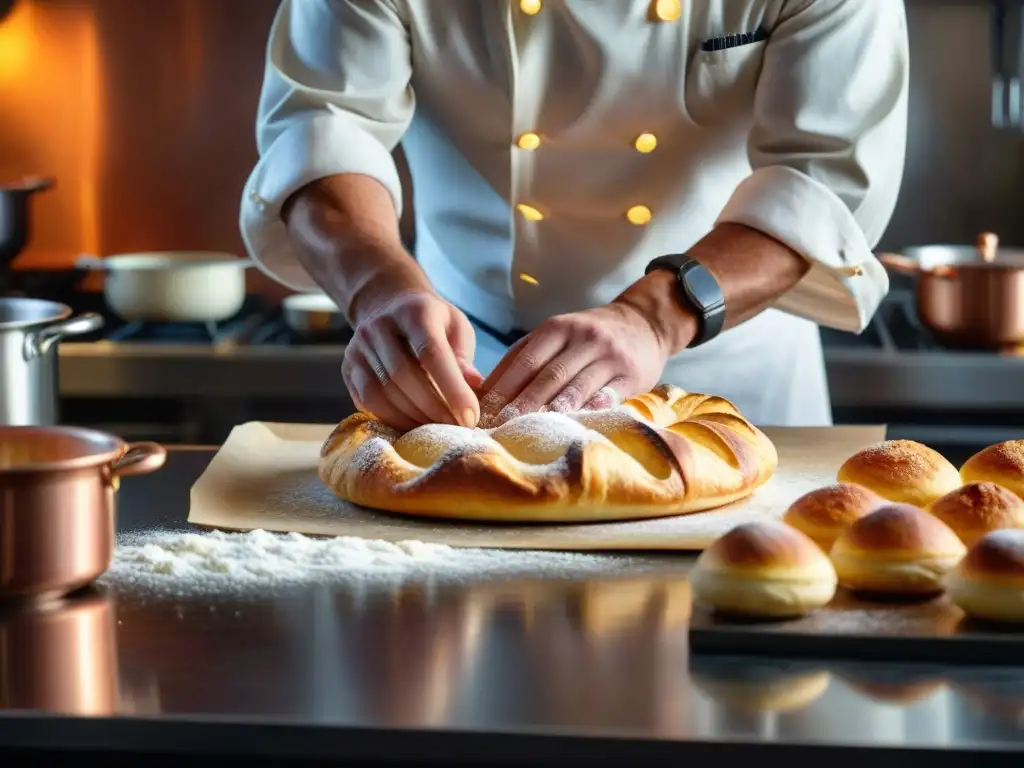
[(607, 194)]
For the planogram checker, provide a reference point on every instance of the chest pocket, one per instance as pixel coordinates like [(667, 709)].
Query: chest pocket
[(720, 85)]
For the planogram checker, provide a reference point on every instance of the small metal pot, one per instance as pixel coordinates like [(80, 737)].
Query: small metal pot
[(29, 332), (61, 657), (14, 215), (968, 297), (172, 286), (57, 503), (313, 315)]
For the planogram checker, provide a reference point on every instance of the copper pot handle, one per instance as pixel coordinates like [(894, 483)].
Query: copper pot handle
[(139, 459)]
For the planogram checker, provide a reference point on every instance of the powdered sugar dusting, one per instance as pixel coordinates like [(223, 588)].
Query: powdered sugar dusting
[(544, 432), (538, 439), (184, 563)]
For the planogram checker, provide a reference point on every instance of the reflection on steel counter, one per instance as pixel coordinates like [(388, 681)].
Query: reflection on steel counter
[(60, 656)]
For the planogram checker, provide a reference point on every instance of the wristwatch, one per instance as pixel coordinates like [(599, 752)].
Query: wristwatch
[(699, 291)]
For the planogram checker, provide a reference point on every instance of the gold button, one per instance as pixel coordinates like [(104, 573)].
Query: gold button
[(667, 10), (528, 278), (529, 212), (528, 140), (645, 142), (530, 7), (639, 215)]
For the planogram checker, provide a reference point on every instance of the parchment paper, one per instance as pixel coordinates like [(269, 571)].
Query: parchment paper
[(265, 477)]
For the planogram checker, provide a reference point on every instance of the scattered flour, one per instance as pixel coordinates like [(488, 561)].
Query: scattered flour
[(173, 562)]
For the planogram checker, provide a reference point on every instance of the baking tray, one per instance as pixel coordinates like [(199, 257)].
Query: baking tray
[(932, 631)]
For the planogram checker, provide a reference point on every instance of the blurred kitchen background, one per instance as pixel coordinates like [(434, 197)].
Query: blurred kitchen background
[(143, 115)]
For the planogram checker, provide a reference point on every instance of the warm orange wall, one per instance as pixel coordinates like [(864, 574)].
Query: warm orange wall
[(143, 113)]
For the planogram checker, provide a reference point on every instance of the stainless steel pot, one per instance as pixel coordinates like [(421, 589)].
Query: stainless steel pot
[(172, 286), (967, 296), (29, 332), (313, 315)]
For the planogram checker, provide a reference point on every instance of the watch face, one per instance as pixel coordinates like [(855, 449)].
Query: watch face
[(702, 287)]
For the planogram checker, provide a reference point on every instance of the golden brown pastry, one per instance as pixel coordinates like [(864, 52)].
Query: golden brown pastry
[(989, 582), (666, 452), (897, 549), (763, 569), (1002, 463), (974, 509), (826, 512), (901, 471)]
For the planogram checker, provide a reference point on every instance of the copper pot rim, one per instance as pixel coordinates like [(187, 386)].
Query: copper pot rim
[(111, 448)]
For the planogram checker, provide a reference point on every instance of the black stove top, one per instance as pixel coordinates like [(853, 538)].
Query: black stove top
[(257, 323)]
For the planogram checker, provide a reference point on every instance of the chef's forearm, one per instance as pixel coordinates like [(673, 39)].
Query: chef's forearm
[(345, 231), (753, 270)]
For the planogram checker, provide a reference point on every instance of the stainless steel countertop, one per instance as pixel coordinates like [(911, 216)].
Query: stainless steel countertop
[(544, 670)]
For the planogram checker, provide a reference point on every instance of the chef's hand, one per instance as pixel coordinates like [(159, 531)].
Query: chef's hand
[(409, 363), (568, 362)]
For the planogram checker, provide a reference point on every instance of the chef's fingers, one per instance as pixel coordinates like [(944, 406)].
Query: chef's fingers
[(527, 361), (428, 339), (608, 396), (365, 387), (584, 388), (564, 377), (403, 378), (462, 338)]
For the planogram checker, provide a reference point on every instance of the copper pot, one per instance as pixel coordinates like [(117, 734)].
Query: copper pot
[(59, 657), (968, 297), (57, 487)]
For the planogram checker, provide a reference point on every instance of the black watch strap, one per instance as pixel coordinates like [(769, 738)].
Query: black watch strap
[(699, 291)]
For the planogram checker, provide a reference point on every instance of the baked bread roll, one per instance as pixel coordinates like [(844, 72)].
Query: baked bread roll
[(666, 452), (989, 582), (974, 509), (763, 569), (1002, 463), (901, 471), (826, 512), (897, 549)]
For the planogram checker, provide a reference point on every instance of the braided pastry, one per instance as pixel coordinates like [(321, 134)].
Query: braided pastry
[(665, 452)]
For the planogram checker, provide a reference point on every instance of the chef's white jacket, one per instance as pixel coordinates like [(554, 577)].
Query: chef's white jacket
[(557, 146)]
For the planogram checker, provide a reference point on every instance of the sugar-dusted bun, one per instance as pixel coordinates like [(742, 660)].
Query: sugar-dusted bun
[(765, 569), (897, 549), (1002, 463), (974, 509), (901, 471), (826, 512), (989, 582)]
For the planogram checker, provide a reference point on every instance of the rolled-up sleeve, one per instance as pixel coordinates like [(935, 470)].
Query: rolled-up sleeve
[(827, 150), (336, 99)]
